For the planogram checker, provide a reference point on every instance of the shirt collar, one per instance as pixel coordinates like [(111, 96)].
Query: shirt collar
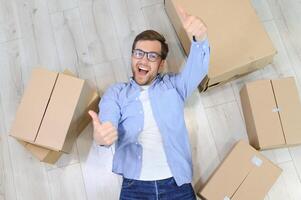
[(137, 86)]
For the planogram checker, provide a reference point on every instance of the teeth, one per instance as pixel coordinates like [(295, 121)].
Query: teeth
[(145, 69)]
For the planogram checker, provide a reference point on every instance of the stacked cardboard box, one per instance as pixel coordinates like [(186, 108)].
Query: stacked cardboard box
[(243, 175), (238, 41), (52, 113), (272, 112)]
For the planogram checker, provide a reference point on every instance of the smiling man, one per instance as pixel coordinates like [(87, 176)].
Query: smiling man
[(149, 52), (145, 118)]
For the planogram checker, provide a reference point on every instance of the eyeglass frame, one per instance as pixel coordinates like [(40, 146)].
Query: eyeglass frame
[(147, 54)]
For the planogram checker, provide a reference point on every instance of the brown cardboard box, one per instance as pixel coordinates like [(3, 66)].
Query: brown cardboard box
[(238, 41), (272, 113), (51, 156), (53, 112), (41, 153), (244, 175)]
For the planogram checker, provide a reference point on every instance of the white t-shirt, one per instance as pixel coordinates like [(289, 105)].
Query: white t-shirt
[(154, 163)]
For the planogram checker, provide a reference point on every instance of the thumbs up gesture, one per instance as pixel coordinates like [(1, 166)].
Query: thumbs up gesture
[(193, 25), (103, 133)]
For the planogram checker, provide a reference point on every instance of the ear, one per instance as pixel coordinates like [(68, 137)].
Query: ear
[(162, 65)]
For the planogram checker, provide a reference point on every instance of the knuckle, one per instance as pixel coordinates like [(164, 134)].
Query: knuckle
[(107, 142), (101, 134), (98, 140)]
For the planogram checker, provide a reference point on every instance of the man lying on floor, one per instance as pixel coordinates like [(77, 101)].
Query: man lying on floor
[(145, 117)]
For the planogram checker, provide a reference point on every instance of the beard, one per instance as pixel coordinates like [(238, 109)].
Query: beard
[(144, 74)]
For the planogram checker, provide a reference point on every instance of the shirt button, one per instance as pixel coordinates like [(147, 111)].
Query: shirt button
[(136, 98), (139, 157), (204, 47), (136, 143), (197, 46)]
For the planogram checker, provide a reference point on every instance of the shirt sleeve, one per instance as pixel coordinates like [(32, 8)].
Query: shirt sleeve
[(195, 70), (109, 109)]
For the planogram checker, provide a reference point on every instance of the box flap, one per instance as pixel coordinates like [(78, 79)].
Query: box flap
[(42, 154), (265, 116), (39, 152), (259, 181), (289, 105), (33, 104), (230, 174), (59, 113)]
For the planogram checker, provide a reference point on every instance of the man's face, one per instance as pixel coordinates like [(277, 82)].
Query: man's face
[(144, 70)]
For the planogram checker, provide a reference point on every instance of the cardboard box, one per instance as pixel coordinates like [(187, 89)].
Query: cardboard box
[(50, 156), (53, 112), (243, 175), (272, 113), (42, 154), (238, 41)]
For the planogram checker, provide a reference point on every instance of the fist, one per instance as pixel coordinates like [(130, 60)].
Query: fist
[(103, 133), (193, 25)]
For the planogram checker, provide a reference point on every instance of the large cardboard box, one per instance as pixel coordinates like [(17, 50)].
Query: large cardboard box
[(272, 113), (238, 41), (244, 175), (51, 156), (52, 113)]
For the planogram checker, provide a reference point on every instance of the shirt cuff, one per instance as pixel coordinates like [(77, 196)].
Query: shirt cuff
[(199, 40), (204, 44)]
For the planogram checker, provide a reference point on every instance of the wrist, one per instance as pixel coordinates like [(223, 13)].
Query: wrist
[(199, 38)]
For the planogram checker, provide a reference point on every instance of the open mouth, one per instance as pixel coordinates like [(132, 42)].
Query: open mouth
[(142, 70)]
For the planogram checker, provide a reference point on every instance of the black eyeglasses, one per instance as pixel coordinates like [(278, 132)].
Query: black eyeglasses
[(151, 56)]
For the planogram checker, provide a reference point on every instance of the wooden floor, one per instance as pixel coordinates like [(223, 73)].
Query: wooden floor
[(93, 39)]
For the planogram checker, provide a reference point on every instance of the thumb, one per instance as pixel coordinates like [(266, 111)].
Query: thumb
[(94, 117), (182, 13)]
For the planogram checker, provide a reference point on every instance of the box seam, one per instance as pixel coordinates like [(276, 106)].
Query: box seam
[(273, 89), (242, 182), (46, 107)]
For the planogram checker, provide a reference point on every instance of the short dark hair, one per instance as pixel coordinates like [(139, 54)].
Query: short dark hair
[(152, 35)]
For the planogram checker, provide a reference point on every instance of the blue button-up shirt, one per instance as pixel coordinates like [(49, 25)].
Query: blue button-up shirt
[(121, 105)]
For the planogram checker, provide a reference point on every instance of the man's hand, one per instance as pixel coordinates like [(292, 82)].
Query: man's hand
[(103, 133), (193, 25)]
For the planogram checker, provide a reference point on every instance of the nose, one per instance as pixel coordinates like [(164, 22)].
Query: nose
[(144, 58)]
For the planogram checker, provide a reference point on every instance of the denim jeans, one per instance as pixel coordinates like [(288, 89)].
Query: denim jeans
[(165, 189)]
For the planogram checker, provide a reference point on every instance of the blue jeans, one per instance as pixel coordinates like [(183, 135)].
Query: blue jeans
[(165, 189)]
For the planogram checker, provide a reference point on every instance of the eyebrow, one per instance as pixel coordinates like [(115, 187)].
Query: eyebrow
[(148, 51)]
